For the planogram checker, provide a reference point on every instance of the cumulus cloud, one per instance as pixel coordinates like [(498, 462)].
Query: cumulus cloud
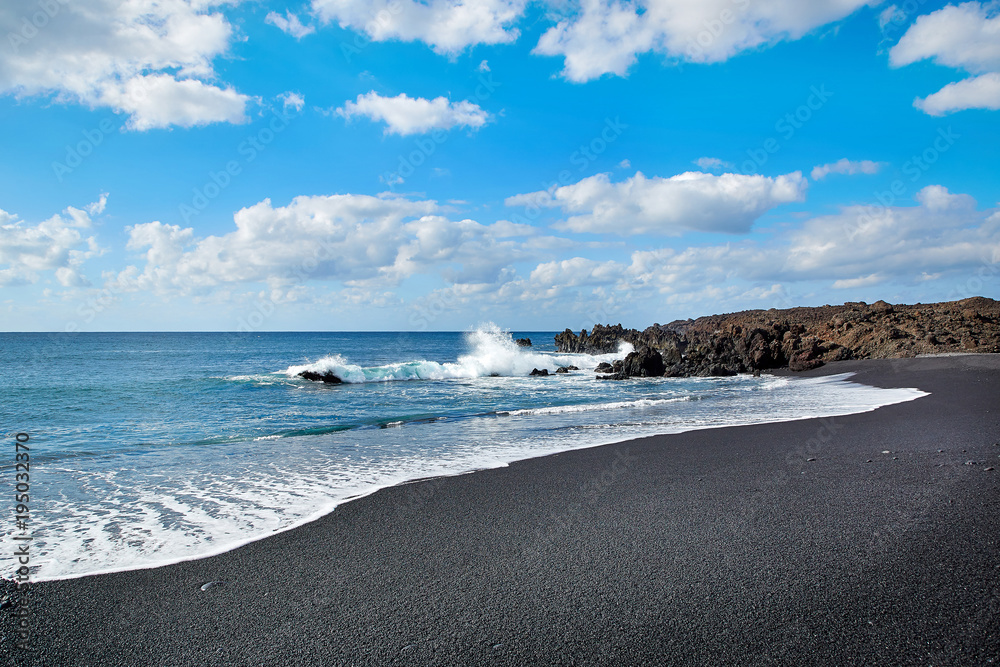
[(692, 201), (845, 166), (361, 241), (415, 115), (289, 24), (58, 244), (160, 100), (965, 36), (151, 60), (448, 26), (858, 247), (597, 37), (978, 92)]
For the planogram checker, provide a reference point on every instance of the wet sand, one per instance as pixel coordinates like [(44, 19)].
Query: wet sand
[(795, 543)]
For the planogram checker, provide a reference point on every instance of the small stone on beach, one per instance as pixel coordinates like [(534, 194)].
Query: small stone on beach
[(989, 469), (811, 459), (886, 451), (971, 463), (211, 584)]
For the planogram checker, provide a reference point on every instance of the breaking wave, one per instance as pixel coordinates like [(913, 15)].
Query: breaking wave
[(492, 352)]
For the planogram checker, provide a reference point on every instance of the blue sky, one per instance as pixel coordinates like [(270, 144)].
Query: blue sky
[(402, 165)]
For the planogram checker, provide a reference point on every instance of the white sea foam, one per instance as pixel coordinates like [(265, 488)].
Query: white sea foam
[(637, 404), (492, 352)]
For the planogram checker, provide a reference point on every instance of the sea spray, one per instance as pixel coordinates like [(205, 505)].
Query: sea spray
[(492, 352)]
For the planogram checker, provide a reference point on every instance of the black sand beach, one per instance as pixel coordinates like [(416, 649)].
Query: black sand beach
[(776, 544)]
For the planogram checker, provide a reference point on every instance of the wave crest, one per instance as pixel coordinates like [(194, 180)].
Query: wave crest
[(492, 351)]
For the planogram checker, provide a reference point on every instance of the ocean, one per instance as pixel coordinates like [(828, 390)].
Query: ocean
[(152, 448)]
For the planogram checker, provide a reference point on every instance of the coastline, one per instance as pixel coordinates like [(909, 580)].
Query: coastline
[(720, 545)]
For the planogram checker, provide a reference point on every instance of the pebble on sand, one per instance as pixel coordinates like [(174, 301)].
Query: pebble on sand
[(211, 584)]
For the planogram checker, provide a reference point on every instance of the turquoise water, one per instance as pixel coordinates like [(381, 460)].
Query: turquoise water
[(149, 448)]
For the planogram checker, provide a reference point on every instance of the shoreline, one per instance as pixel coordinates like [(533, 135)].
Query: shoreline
[(331, 505), (723, 544)]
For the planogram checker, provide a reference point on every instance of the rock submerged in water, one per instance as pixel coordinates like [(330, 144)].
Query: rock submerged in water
[(325, 378), (566, 369), (523, 342), (542, 373), (604, 367)]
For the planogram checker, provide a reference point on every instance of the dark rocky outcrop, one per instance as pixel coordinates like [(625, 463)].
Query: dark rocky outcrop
[(566, 369), (604, 367), (543, 373), (523, 342), (644, 362), (799, 338), (325, 378)]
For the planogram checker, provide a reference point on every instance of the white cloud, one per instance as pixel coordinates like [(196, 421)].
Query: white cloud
[(151, 60), (160, 100), (858, 247), (290, 100), (415, 115), (598, 37), (57, 244), (966, 37), (361, 241), (863, 281), (890, 14), (845, 166), (978, 92), (552, 279), (692, 201), (483, 67), (937, 198), (289, 24), (712, 164), (448, 26)]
